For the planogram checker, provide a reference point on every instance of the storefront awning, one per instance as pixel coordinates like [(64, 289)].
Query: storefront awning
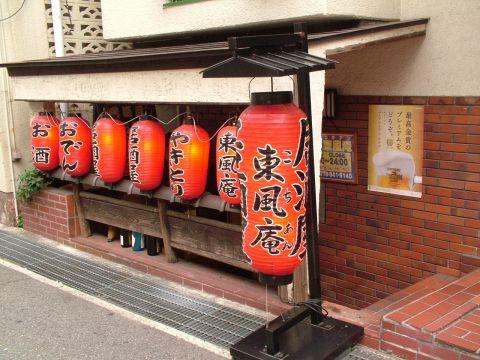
[(171, 74)]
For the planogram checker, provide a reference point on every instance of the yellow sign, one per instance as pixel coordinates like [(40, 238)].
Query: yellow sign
[(339, 160), (395, 149)]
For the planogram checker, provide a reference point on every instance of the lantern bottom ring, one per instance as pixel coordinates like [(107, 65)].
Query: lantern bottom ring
[(275, 280)]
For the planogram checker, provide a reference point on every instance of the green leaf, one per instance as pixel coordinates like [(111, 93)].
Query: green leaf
[(30, 182)]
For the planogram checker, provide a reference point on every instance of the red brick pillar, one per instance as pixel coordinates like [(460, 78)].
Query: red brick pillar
[(52, 214)]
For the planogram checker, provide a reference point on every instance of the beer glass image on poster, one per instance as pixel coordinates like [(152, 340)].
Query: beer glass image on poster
[(395, 149)]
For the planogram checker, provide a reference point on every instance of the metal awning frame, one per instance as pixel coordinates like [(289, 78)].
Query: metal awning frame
[(273, 64), (267, 56)]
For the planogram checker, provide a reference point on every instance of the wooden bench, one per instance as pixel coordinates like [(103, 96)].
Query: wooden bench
[(206, 237)]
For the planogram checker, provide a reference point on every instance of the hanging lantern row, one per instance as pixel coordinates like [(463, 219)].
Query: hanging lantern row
[(72, 145)]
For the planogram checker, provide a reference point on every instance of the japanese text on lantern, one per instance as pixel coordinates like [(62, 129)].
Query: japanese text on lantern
[(227, 165), (339, 158), (95, 151), (134, 158), (275, 200), (41, 155), (176, 154), (69, 129), (271, 235), (395, 150)]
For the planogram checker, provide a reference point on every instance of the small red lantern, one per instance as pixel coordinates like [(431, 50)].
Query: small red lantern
[(75, 145), (146, 147), (188, 160), (272, 168), (227, 176), (44, 141), (109, 144)]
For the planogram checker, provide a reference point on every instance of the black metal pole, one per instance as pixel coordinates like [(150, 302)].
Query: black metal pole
[(304, 102)]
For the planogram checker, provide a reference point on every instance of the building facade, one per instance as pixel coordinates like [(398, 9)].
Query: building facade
[(401, 52), (83, 34), (374, 245)]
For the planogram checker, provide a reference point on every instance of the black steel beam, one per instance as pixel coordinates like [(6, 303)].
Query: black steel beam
[(313, 255), (207, 200), (236, 43)]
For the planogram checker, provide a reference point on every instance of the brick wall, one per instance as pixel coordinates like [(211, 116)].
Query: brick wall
[(374, 244), (51, 214)]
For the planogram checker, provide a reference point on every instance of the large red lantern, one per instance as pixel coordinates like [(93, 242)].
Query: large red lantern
[(146, 147), (188, 161), (44, 141), (109, 145), (272, 167), (227, 176), (75, 145)]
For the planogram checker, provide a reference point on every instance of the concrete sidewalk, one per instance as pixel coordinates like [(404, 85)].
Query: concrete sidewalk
[(44, 322), (43, 317)]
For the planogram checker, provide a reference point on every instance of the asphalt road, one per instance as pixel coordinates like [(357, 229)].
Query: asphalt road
[(39, 321)]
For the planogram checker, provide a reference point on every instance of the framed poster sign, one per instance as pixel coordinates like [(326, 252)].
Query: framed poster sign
[(339, 157), (395, 149)]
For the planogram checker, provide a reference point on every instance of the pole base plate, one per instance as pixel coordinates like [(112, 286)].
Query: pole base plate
[(304, 341), (275, 280)]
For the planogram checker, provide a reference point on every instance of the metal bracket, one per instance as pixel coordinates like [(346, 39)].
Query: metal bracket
[(276, 327), (280, 40)]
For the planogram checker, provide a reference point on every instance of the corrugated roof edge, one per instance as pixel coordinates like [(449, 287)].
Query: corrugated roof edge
[(194, 51)]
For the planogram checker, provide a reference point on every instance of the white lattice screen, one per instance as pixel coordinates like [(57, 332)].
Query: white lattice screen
[(84, 33)]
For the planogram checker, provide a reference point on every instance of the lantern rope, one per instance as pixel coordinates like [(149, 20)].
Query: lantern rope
[(266, 306), (216, 132), (83, 120), (116, 121), (249, 87), (15, 12), (172, 119), (271, 85), (314, 305), (133, 119), (189, 114), (51, 119)]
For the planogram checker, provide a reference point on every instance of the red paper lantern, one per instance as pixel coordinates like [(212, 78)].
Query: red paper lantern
[(188, 160), (272, 167), (109, 145), (75, 145), (227, 176), (44, 141), (146, 154)]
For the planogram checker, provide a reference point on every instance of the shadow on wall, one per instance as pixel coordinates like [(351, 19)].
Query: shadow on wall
[(383, 69)]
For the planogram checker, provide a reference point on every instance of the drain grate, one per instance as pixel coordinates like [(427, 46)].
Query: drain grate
[(215, 323)]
